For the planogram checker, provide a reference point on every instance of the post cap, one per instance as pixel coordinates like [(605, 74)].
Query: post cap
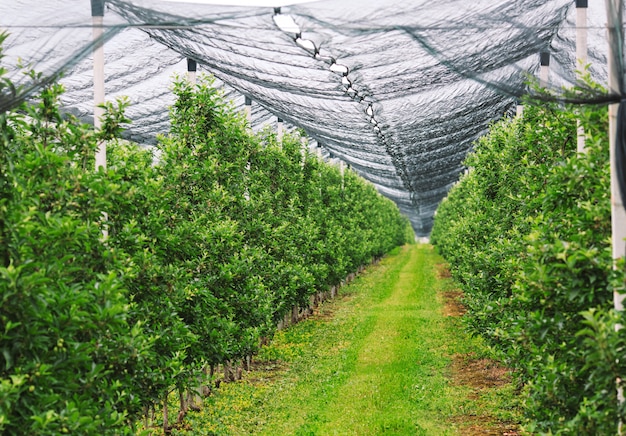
[(544, 58), (97, 8), (582, 3), (191, 65)]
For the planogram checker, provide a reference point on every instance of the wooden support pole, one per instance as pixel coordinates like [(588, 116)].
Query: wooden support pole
[(97, 14), (581, 59), (192, 68)]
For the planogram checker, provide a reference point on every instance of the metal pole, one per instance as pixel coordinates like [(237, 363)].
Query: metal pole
[(304, 145), (581, 59), (97, 14), (341, 171), (248, 110), (614, 10), (618, 214), (279, 129), (581, 32), (192, 66)]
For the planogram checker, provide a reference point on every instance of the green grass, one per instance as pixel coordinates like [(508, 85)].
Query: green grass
[(374, 362)]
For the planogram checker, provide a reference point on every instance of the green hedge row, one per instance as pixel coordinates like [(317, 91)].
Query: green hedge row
[(208, 246), (527, 234)]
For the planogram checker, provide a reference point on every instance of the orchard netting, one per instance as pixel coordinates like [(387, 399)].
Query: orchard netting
[(398, 90)]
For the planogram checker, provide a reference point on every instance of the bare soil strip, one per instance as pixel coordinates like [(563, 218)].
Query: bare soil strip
[(480, 374)]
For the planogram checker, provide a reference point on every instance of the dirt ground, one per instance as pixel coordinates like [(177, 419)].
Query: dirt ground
[(479, 374)]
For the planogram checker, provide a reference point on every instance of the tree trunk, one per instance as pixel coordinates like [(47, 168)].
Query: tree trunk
[(183, 406), (228, 372), (166, 425), (238, 372)]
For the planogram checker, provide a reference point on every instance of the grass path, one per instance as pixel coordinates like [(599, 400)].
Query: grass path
[(377, 360), (398, 375)]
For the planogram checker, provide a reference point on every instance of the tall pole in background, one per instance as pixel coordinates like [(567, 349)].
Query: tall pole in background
[(304, 142), (97, 17), (97, 14), (279, 129), (581, 32), (618, 214), (581, 58), (192, 67), (341, 171), (614, 10), (248, 110)]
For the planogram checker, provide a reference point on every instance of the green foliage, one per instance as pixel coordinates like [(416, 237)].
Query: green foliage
[(70, 350), (487, 209), (527, 232), (353, 369), (209, 243)]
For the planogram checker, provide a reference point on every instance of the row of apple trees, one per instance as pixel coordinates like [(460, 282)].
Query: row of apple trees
[(527, 234), (209, 245)]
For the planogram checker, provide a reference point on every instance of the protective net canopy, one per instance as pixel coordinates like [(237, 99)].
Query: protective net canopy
[(398, 90)]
